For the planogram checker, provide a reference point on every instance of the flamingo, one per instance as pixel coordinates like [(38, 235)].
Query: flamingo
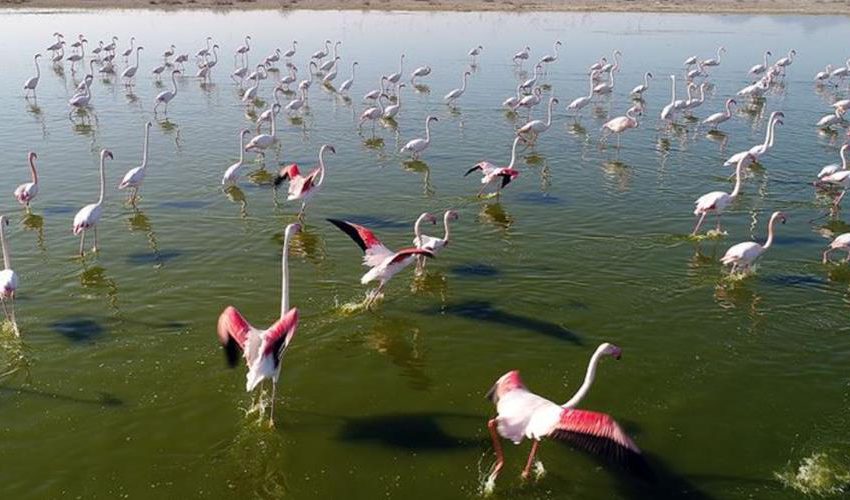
[(263, 350), (88, 217), (321, 54), (298, 102), (80, 101), (835, 167), (521, 414), (841, 242), (821, 76), (532, 130), (58, 44), (382, 262), (530, 101), (8, 279), (32, 83), (720, 117), (538, 70), (841, 72), (27, 192), (758, 150), (581, 102), (58, 56), (168, 53), (598, 64), (231, 175), (620, 124), (129, 51), (611, 67), (158, 70), (251, 93), (548, 58), (181, 60), (291, 52), (417, 146), (135, 176), (715, 61), (836, 118), (273, 58), (690, 61), (491, 173), (522, 55), (843, 103), (840, 179), (331, 76), (304, 187), (512, 101), (395, 77), (266, 115), (392, 110), (691, 104), (130, 71), (452, 96), (717, 201), (206, 63), (243, 50), (419, 72), (346, 85), (743, 255), (97, 51), (372, 113), (166, 96), (259, 143), (605, 87), (475, 52), (640, 89), (375, 94), (760, 68), (787, 60), (75, 58), (754, 91), (111, 46), (431, 243), (669, 111)]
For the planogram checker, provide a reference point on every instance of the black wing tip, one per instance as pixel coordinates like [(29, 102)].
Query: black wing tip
[(630, 460), (232, 352), (350, 230), (278, 180), (473, 169)]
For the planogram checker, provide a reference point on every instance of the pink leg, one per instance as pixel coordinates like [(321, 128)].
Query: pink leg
[(699, 224), (840, 197), (826, 255), (528, 464), (497, 448), (271, 416), (82, 242)]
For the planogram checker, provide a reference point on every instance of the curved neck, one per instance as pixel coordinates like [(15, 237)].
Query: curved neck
[(446, 221), (588, 381), (513, 154), (844, 156), (321, 166), (284, 282), (770, 233), (767, 134), (274, 123), (719, 51), (592, 74), (417, 231), (145, 150), (137, 59), (7, 259), (35, 174), (401, 65), (427, 130), (549, 115), (772, 131), (173, 83), (555, 48), (765, 58), (738, 170), (616, 62), (352, 70), (646, 79), (611, 77), (102, 180), (463, 87), (729, 109), (673, 98)]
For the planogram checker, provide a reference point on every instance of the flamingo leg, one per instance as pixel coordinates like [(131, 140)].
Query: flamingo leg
[(82, 242), (5, 310), (94, 248), (718, 221), (271, 412), (826, 255), (481, 191), (699, 224), (301, 213), (12, 315), (528, 464), (497, 449), (840, 197), (847, 259)]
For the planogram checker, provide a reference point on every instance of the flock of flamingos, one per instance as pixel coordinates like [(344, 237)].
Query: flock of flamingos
[(521, 414)]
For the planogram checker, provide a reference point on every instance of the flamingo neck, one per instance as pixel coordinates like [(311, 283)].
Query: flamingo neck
[(591, 85), (646, 79), (463, 87), (770, 233), (7, 259), (242, 147), (401, 65), (513, 154), (611, 77), (767, 133), (446, 221), (417, 231), (352, 70), (616, 66), (589, 376), (428, 131), (673, 98), (274, 123), (549, 115), (284, 282), (729, 109), (102, 180), (35, 173), (145, 149), (738, 170), (844, 157), (555, 48), (37, 69), (173, 83), (772, 132), (321, 166)]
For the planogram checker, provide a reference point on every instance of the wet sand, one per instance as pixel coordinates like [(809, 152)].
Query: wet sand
[(841, 7)]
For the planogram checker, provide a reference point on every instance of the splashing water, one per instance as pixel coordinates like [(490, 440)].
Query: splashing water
[(539, 471), (817, 475)]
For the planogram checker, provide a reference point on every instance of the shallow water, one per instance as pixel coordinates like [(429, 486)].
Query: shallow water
[(119, 387)]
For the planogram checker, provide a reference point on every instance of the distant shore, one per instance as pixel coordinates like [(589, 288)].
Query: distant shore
[(840, 7)]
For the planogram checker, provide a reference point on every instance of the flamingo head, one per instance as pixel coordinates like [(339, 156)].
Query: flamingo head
[(452, 215), (291, 229), (768, 53), (609, 349), (733, 101), (558, 42), (36, 56), (106, 154), (432, 119), (328, 147), (780, 216), (506, 383), (32, 156), (4, 221), (649, 75)]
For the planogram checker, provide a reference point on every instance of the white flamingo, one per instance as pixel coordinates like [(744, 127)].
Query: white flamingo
[(582, 102), (166, 96), (261, 142), (392, 110), (841, 242), (455, 94), (417, 146), (26, 193), (716, 60), (532, 130), (640, 89), (231, 175), (130, 71), (346, 85), (758, 150), (669, 111), (420, 72), (742, 256), (620, 124), (89, 216), (717, 201), (8, 279), (32, 83), (720, 117), (550, 58), (134, 177), (835, 167), (760, 68)]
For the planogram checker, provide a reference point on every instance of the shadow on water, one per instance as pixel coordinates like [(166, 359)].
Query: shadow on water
[(410, 431), (661, 483), (79, 329), (485, 311), (103, 398), (146, 258), (186, 204), (540, 199), (798, 280), (475, 270), (398, 339)]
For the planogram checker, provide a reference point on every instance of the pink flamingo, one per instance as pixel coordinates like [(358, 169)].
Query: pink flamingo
[(717, 201), (841, 242), (492, 173), (88, 216), (304, 187), (262, 349), (521, 414), (835, 167), (8, 278), (383, 262), (620, 124), (27, 192), (742, 255)]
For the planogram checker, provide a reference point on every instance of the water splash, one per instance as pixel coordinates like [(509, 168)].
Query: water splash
[(817, 475), (539, 471)]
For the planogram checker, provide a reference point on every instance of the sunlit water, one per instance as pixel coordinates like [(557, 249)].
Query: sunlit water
[(119, 388)]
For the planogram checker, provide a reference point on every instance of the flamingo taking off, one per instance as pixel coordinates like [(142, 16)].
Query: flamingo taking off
[(88, 217), (382, 262), (743, 255), (27, 192), (521, 414), (263, 350), (491, 173), (304, 187), (8, 279)]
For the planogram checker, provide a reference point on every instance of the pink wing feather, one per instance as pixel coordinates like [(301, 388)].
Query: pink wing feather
[(232, 333), (375, 251)]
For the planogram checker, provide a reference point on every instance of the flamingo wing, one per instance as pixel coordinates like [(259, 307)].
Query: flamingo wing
[(375, 251), (599, 434), (409, 252), (287, 172), (280, 334), (233, 330), (507, 175)]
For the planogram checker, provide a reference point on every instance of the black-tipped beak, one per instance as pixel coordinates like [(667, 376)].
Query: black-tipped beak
[(332, 149)]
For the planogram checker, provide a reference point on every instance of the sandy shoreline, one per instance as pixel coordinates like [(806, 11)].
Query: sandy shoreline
[(840, 7)]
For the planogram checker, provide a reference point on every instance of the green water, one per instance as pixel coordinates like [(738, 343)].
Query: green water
[(118, 387)]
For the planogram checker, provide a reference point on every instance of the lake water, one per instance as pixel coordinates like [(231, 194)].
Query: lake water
[(119, 388)]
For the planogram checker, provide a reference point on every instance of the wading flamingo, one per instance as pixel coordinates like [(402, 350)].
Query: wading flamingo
[(8, 279), (720, 117), (824, 75), (522, 55), (581, 102), (304, 187), (669, 111), (839, 179), (521, 414), (346, 85), (261, 142), (786, 61), (758, 150), (166, 96), (135, 176), (550, 58), (88, 217), (760, 68), (416, 146), (321, 54), (717, 201), (382, 262), (32, 83), (491, 173), (452, 96), (130, 71), (841, 242), (475, 52), (392, 110), (532, 130), (419, 72), (372, 114), (620, 124), (715, 61), (512, 101), (27, 192), (263, 350), (231, 175), (538, 70), (291, 52), (835, 167), (79, 101), (640, 89), (394, 78), (129, 51), (836, 118), (743, 255), (243, 50)]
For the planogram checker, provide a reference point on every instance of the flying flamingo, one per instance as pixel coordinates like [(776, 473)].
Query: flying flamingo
[(720, 117), (758, 150), (231, 175), (521, 414), (452, 96), (32, 83), (417, 146), (620, 124), (717, 201), (491, 173), (8, 279), (166, 96), (88, 217), (742, 255), (27, 192), (841, 242), (581, 102), (640, 89), (304, 187), (382, 262), (532, 130), (261, 142), (835, 167), (263, 350), (135, 176), (760, 68)]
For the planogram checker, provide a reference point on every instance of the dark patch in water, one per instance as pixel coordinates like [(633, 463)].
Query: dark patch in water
[(411, 431), (484, 311), (80, 329), (475, 270), (57, 210), (374, 222), (160, 257), (540, 199), (185, 204), (795, 280), (782, 240), (102, 399)]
